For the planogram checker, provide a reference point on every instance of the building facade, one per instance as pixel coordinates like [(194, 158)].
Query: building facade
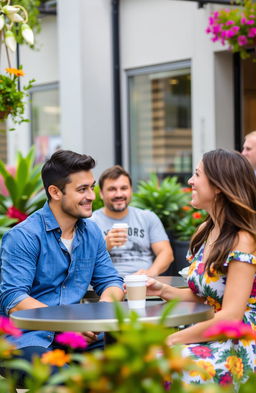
[(136, 82)]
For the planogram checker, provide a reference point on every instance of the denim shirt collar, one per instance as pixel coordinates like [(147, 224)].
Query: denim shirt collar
[(50, 221)]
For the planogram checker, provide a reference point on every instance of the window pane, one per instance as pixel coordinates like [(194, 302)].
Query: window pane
[(160, 124), (45, 122)]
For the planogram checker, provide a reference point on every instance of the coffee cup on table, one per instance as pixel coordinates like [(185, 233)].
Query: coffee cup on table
[(136, 290)]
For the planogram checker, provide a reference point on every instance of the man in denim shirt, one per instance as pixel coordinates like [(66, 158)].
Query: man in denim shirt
[(51, 258)]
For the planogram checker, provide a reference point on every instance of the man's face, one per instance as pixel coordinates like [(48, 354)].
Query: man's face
[(249, 150), (116, 194), (78, 195)]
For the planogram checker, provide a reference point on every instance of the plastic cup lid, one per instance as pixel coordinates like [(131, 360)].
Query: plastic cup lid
[(135, 277), (120, 225)]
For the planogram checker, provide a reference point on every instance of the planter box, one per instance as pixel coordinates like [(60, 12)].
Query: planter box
[(180, 249)]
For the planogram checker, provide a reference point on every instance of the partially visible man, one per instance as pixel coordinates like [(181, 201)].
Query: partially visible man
[(51, 258), (146, 248), (249, 148)]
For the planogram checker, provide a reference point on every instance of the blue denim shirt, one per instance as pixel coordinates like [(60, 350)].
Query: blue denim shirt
[(35, 262)]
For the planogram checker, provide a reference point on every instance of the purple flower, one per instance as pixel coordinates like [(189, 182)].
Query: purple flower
[(72, 339), (242, 40)]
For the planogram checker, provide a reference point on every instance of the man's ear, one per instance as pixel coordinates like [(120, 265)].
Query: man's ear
[(101, 195), (55, 192)]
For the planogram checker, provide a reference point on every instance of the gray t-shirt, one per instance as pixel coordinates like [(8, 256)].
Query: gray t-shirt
[(144, 228)]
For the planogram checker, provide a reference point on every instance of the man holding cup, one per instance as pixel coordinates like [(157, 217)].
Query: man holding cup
[(135, 238)]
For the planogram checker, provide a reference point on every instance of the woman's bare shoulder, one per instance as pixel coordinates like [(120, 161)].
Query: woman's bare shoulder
[(245, 242)]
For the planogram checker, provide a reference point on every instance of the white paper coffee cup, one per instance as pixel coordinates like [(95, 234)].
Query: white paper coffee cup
[(121, 225), (136, 290)]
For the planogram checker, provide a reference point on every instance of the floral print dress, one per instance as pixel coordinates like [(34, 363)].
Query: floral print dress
[(224, 361)]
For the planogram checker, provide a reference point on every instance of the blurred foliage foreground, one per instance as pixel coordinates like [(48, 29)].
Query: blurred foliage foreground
[(138, 362)]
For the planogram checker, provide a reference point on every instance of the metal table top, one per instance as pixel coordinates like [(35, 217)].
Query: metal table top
[(101, 316)]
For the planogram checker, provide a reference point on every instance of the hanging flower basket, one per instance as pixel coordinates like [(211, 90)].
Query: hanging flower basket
[(235, 27)]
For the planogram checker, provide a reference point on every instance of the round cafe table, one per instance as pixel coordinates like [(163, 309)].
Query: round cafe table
[(101, 316)]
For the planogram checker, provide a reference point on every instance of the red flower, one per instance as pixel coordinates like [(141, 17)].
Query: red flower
[(7, 327), (197, 215), (13, 212), (192, 286), (201, 351), (186, 189), (226, 379), (253, 293)]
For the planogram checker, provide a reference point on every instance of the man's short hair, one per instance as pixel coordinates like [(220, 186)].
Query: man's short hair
[(113, 173), (61, 165), (253, 133)]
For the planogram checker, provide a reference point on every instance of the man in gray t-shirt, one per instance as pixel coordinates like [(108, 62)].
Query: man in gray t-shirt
[(145, 248)]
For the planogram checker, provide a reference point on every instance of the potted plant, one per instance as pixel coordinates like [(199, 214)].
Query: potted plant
[(14, 27), (235, 27), (25, 190)]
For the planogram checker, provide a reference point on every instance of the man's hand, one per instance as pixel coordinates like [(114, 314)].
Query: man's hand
[(116, 237), (91, 337)]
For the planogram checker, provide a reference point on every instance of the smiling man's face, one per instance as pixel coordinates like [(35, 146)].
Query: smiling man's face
[(78, 195), (116, 194)]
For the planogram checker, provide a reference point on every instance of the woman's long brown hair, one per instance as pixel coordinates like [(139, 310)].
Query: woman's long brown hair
[(234, 207)]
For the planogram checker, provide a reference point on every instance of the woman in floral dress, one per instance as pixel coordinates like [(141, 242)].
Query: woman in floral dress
[(223, 267)]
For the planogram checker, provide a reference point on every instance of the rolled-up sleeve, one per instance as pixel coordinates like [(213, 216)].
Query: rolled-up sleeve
[(18, 265)]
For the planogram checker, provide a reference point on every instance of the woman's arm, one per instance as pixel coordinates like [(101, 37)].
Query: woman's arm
[(167, 292), (237, 292)]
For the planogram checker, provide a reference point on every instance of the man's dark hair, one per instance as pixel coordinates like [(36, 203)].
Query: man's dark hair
[(60, 165), (113, 173)]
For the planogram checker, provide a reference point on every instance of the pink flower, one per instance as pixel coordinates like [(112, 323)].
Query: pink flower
[(201, 351), (7, 327), (228, 329), (242, 40), (72, 339), (252, 32), (230, 33), (200, 268), (243, 20), (13, 212), (235, 29), (230, 22), (250, 22)]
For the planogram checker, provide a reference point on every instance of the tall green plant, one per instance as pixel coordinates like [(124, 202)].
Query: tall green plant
[(165, 198), (25, 188)]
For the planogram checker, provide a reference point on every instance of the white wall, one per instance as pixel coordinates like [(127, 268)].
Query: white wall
[(86, 78)]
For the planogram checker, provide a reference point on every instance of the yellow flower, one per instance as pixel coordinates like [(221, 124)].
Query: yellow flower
[(214, 278), (191, 268), (15, 71), (235, 366), (212, 302), (57, 357), (207, 372)]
